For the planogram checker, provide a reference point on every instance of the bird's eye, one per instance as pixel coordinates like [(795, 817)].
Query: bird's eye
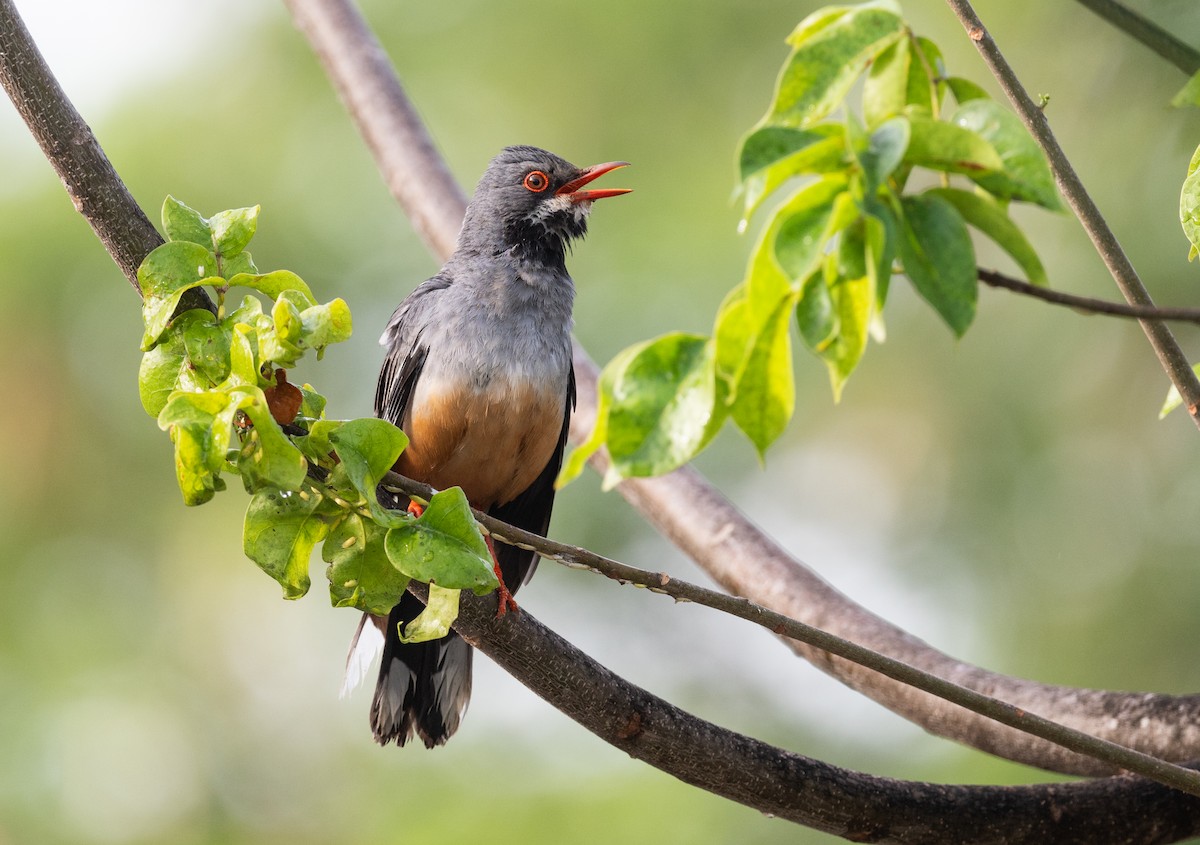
[(537, 181)]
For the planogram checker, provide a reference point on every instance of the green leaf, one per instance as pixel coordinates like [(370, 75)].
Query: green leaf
[(578, 458), (764, 398), (938, 258), (368, 448), (1189, 94), (828, 57), (158, 375), (232, 230), (950, 148), (163, 277), (851, 301), (1024, 175), (1174, 399), (326, 324), (663, 400), (207, 344), (816, 315), (987, 215), (921, 87), (798, 233), (182, 223), (964, 90), (885, 92), (360, 573), (1189, 204), (275, 283), (280, 531), (201, 440), (435, 620), (443, 546), (885, 150), (771, 155), (267, 458)]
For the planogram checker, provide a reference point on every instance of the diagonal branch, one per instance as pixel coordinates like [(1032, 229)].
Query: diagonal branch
[(687, 510), (1170, 355), (856, 806), (1182, 55), (1115, 755)]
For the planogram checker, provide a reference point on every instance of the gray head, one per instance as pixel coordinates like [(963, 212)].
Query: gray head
[(532, 203)]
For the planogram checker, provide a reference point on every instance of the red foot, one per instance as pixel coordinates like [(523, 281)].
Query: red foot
[(507, 602), (415, 509)]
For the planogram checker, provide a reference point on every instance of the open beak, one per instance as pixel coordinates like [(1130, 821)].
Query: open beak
[(572, 191)]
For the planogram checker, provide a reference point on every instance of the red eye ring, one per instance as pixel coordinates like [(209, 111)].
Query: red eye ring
[(536, 181)]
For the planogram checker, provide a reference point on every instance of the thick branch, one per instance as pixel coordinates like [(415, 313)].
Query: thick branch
[(1118, 757), (1182, 55), (1109, 248), (691, 513), (1086, 303), (859, 807), (71, 148)]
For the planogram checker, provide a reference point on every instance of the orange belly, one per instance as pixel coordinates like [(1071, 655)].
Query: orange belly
[(492, 443)]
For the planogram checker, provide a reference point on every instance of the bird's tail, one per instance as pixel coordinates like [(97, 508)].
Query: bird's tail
[(423, 688)]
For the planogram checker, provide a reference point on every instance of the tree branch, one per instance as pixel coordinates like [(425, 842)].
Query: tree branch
[(1087, 304), (1117, 756), (1173, 361), (856, 806), (689, 512), (1150, 34), (72, 149)]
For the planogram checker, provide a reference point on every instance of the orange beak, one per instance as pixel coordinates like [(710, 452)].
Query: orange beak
[(571, 189)]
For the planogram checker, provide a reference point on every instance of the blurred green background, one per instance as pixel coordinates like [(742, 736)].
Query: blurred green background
[(1011, 498)]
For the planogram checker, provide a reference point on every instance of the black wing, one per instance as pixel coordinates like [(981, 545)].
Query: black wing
[(405, 353), (531, 509)]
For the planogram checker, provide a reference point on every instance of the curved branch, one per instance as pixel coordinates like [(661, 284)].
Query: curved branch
[(1117, 756), (687, 510), (860, 807), (1150, 34), (1086, 303), (1173, 361)]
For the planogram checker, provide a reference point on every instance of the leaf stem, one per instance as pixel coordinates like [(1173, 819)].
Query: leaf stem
[(1169, 353)]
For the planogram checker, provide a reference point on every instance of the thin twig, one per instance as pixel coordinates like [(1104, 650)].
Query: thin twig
[(575, 557), (1109, 248), (1182, 55), (1088, 304)]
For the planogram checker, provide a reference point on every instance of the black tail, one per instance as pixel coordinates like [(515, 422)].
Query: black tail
[(423, 688)]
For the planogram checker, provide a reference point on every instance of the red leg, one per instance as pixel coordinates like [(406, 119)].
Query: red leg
[(415, 508), (507, 602)]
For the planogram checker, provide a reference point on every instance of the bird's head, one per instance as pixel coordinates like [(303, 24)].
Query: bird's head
[(533, 202)]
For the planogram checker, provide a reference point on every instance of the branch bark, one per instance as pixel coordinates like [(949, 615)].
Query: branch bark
[(859, 807), (1142, 29), (1086, 303), (1170, 355), (687, 510), (72, 149)]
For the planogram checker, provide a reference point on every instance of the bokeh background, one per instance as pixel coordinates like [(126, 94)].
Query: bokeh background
[(1010, 497)]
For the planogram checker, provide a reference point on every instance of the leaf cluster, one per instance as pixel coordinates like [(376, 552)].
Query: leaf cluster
[(217, 383), (873, 192)]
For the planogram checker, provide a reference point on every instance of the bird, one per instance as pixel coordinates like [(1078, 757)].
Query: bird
[(478, 374)]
